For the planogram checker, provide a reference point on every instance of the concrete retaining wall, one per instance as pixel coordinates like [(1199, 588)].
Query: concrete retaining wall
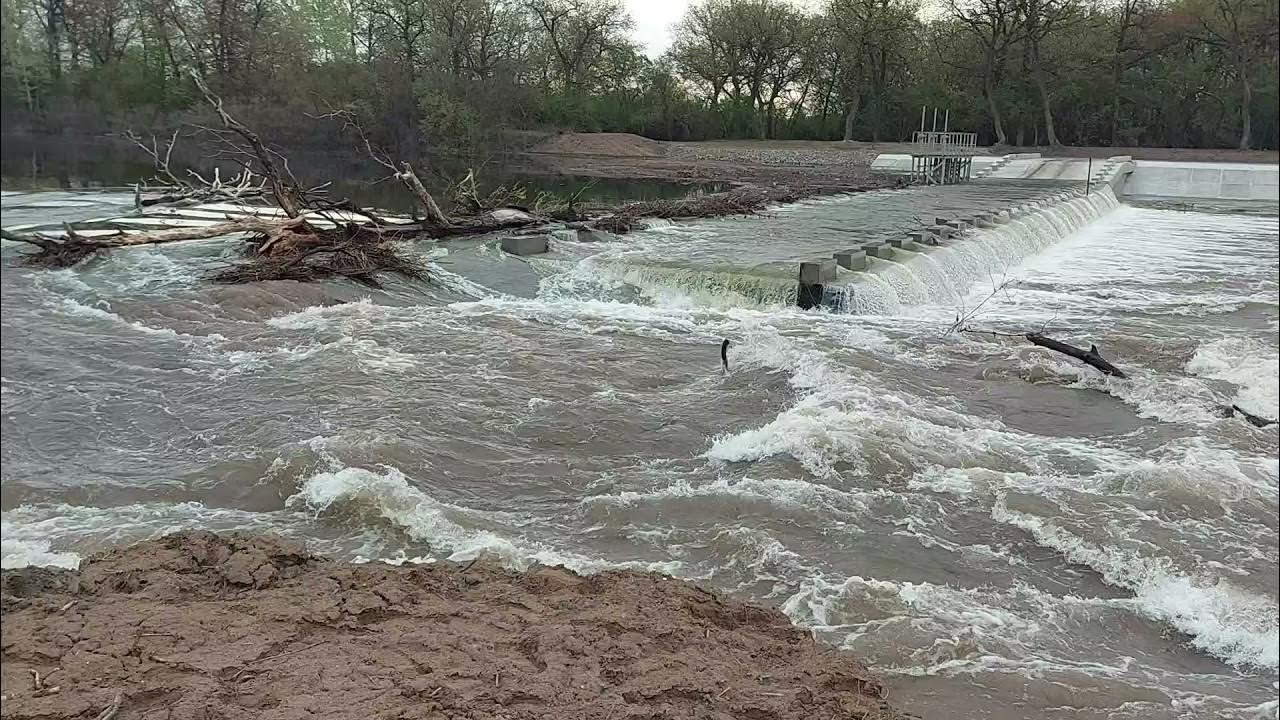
[(1206, 181)]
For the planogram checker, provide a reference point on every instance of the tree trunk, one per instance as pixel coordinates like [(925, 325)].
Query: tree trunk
[(1051, 134), (54, 20), (1246, 108), (851, 116), (997, 123), (1115, 104)]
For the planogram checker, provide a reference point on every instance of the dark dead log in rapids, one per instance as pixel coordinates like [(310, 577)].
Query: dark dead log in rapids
[(1090, 357), (1255, 420)]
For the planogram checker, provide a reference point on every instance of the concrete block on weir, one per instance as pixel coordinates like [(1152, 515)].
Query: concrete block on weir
[(566, 235), (884, 251), (942, 231), (1002, 217), (983, 220), (525, 244), (817, 272), (851, 259), (904, 243), (923, 237), (957, 224)]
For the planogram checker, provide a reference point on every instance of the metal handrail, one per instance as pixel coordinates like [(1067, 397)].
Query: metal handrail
[(945, 139)]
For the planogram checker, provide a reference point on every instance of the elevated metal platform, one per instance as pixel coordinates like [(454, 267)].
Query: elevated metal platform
[(942, 158)]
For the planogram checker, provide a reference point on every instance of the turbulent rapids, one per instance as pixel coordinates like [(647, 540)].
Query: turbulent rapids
[(1001, 531)]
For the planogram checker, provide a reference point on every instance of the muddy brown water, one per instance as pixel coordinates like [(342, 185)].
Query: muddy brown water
[(998, 531)]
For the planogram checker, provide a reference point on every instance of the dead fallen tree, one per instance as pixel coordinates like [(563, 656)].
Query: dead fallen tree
[(318, 238), (168, 188)]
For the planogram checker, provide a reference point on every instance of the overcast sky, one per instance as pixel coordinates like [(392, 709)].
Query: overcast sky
[(654, 19)]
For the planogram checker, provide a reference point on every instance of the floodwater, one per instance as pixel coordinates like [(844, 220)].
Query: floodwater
[(77, 163), (998, 530)]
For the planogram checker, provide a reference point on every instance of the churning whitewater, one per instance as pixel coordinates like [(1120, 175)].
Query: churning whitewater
[(1001, 531)]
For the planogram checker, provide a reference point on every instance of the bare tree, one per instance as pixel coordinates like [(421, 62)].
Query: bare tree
[(995, 25), (1243, 31)]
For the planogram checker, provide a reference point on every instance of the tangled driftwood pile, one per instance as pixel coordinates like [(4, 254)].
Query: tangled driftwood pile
[(317, 237)]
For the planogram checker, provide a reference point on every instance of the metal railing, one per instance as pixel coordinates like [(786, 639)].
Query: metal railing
[(961, 142)]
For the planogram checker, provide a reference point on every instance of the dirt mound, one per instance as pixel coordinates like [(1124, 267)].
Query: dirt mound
[(611, 144), (198, 625)]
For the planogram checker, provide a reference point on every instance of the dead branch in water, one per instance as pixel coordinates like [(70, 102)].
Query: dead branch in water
[(739, 201), (403, 171), (465, 195), (287, 192), (748, 200), (1090, 357), (1255, 420), (176, 190)]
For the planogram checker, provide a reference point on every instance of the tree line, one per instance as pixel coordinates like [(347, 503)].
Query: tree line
[(460, 72)]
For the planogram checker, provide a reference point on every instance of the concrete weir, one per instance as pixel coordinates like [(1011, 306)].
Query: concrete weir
[(884, 251), (815, 276), (851, 259)]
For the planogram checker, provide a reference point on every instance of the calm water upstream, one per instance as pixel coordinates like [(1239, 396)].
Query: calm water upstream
[(1000, 531)]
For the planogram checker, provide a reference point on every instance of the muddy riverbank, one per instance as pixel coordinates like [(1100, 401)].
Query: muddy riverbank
[(198, 625)]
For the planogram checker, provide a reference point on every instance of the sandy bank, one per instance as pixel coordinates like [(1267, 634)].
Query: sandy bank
[(762, 162), (197, 625)]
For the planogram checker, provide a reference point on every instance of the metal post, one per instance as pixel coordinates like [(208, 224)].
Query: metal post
[(922, 109), (935, 119), (1088, 179), (946, 124)]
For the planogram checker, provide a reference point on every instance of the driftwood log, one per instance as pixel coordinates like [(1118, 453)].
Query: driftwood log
[(1090, 357), (1094, 359), (1255, 420)]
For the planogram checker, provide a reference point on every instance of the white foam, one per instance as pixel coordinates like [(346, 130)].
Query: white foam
[(1247, 364), (16, 553), (316, 317), (781, 492), (73, 307), (28, 530), (1232, 624), (389, 495)]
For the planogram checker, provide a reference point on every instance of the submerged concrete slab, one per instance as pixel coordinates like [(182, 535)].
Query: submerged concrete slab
[(817, 272), (851, 259), (525, 244)]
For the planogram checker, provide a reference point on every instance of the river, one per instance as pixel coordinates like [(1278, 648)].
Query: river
[(998, 530)]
